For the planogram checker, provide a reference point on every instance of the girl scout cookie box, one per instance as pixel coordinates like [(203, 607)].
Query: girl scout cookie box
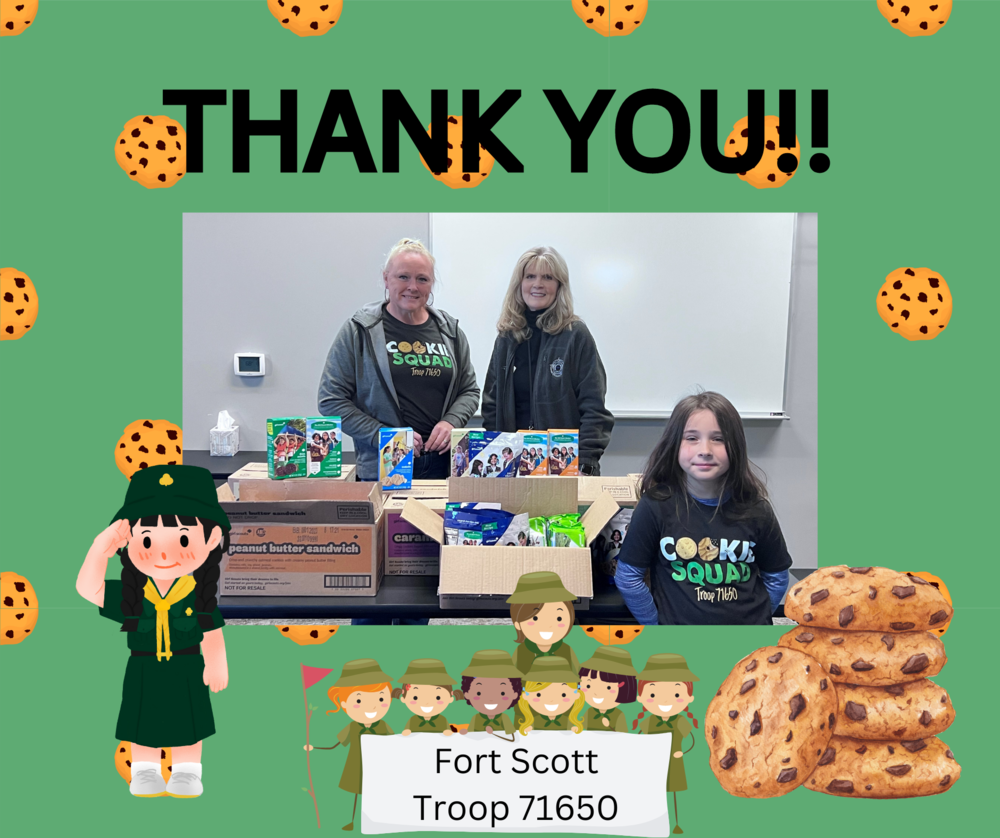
[(395, 464), (304, 447), (472, 577), (461, 459), (564, 457), (535, 454), (494, 453), (330, 547)]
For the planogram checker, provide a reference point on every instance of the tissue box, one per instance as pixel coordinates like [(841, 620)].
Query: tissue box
[(224, 443)]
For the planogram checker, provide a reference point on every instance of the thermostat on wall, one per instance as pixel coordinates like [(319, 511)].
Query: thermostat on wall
[(248, 363)]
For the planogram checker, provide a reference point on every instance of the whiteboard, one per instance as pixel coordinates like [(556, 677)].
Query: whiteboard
[(676, 302)]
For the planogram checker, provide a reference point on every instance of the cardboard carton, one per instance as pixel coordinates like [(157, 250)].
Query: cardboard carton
[(477, 577), (252, 483), (330, 547), (408, 551), (622, 489)]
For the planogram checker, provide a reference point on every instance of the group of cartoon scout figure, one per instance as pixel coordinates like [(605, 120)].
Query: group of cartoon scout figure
[(544, 684), (171, 534)]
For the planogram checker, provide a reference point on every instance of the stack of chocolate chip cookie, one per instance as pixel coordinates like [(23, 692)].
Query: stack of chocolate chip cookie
[(867, 628)]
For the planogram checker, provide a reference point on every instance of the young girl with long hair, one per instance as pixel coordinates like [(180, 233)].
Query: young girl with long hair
[(171, 535), (608, 680), (703, 526), (552, 698)]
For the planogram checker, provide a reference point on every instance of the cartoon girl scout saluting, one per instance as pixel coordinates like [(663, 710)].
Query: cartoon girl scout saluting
[(171, 535), (666, 688), (608, 680), (541, 610), (552, 699), (491, 684), (427, 691), (363, 692)]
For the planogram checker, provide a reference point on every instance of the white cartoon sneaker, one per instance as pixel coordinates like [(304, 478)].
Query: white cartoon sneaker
[(185, 781), (147, 780)]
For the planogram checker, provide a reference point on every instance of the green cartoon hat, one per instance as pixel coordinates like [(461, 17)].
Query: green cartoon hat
[(667, 667), (551, 669), (361, 673), (427, 671), (492, 663), (172, 490), (612, 660), (543, 586)]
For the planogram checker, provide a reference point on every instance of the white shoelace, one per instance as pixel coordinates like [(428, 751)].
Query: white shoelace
[(185, 777), (146, 775)]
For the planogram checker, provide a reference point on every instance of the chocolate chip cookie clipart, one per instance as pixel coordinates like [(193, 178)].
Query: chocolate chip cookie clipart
[(18, 304), (152, 150), (308, 635), (766, 174), (16, 16), (915, 303), (611, 17), (915, 17), (149, 442), (307, 17), (453, 176)]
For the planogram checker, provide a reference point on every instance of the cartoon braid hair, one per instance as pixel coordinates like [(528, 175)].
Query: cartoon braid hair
[(690, 689), (338, 695), (206, 577)]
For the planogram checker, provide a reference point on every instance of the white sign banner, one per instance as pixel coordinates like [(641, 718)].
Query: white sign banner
[(600, 783)]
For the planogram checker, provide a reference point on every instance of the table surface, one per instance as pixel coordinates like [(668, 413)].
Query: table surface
[(399, 596)]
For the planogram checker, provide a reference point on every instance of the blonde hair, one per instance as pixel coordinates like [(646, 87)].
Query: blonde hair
[(535, 686), (559, 316), (409, 246)]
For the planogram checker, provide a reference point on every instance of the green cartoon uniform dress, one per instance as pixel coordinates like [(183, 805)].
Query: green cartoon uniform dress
[(165, 701), (678, 727), (418, 724), (479, 722), (351, 735), (592, 720), (528, 651)]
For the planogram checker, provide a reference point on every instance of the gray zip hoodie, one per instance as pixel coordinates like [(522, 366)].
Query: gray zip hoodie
[(356, 384)]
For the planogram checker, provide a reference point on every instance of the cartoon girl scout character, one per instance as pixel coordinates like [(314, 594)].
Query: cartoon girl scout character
[(552, 699), (363, 692), (491, 684), (666, 688), (171, 535), (608, 680), (427, 691), (541, 610)]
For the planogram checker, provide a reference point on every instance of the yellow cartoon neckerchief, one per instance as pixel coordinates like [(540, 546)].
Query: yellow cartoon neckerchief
[(180, 589)]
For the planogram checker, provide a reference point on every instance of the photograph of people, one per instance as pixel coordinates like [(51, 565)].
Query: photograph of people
[(477, 468), (525, 463), (545, 371), (492, 465), (369, 376)]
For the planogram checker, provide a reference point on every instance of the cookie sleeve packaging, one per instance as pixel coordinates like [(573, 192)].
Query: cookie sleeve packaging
[(286, 449)]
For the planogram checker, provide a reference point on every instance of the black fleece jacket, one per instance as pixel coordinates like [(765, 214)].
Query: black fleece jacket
[(568, 390)]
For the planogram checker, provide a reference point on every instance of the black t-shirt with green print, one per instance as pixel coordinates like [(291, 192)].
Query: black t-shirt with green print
[(420, 358)]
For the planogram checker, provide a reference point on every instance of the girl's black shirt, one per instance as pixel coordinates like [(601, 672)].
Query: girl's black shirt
[(706, 570)]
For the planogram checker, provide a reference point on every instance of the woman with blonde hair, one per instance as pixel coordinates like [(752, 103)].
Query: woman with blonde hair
[(546, 371)]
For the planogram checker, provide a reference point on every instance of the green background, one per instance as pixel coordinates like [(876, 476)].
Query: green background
[(905, 458)]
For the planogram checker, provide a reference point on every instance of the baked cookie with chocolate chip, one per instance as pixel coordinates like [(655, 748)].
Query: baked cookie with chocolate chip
[(152, 150), (770, 722), (871, 658), (308, 635), (453, 175), (916, 17), (866, 599), (766, 174), (884, 769), (612, 17), (149, 442), (16, 16), (307, 17), (18, 304), (915, 303), (914, 710)]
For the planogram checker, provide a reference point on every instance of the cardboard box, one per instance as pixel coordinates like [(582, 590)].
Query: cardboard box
[(331, 547), (622, 489), (408, 551), (565, 443), (324, 441), (477, 577), (423, 489), (286, 448), (252, 483), (395, 463)]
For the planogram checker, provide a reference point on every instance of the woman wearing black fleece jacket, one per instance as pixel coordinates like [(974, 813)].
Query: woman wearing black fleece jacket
[(545, 371)]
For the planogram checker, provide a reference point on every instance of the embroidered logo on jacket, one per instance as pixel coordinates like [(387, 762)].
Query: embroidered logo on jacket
[(556, 367)]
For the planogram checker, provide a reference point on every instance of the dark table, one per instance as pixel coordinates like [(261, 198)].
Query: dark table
[(222, 467)]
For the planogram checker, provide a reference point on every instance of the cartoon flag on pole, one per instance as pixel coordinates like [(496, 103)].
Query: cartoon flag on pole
[(311, 675)]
